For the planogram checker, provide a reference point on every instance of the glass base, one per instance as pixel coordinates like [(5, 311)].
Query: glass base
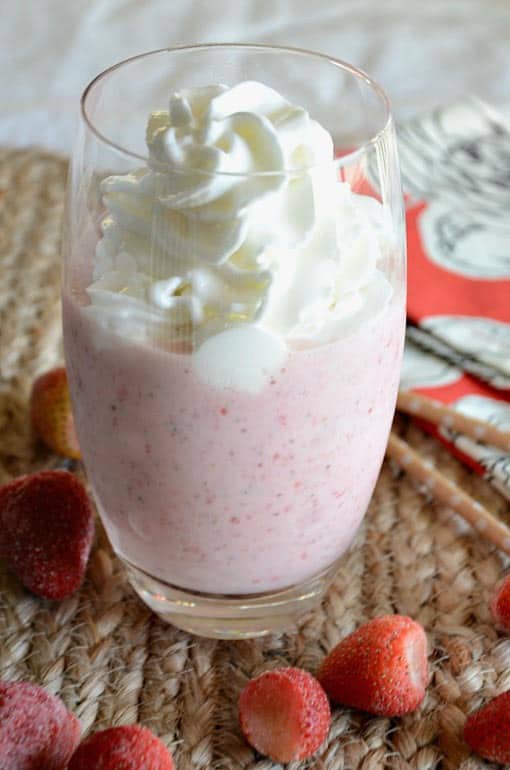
[(218, 616)]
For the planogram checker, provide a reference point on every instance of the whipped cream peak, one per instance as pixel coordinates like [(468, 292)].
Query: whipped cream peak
[(238, 219), (247, 129)]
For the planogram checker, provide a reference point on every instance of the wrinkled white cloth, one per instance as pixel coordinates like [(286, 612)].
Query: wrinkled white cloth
[(424, 54)]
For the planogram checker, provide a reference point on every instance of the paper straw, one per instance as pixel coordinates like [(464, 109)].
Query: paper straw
[(447, 492), (446, 417)]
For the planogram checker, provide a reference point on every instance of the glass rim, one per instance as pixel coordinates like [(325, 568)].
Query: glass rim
[(337, 162)]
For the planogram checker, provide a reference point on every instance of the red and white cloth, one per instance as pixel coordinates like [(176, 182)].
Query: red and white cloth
[(456, 174)]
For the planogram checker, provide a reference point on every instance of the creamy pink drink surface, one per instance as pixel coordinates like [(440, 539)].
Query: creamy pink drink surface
[(221, 490)]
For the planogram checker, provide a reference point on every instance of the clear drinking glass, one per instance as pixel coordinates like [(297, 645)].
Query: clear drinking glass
[(233, 304)]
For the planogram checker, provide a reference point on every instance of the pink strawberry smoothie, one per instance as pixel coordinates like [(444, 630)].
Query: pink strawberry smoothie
[(222, 490)]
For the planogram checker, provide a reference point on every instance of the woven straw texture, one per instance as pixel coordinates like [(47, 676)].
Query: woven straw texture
[(114, 663)]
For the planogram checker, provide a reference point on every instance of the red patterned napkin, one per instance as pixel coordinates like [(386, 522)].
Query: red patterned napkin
[(456, 173)]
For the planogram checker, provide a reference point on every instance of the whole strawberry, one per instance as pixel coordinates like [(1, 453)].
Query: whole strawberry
[(48, 527), (284, 714), (37, 732), (487, 731), (500, 604), (381, 667), (51, 415), (122, 748)]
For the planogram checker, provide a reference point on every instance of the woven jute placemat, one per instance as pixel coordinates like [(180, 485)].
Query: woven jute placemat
[(113, 662)]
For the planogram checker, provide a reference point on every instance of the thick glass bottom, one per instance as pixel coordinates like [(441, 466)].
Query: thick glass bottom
[(218, 616)]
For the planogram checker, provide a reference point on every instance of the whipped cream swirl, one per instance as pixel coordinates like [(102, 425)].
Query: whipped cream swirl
[(238, 218)]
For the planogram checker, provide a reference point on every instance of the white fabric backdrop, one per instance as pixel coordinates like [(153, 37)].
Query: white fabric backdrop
[(423, 53)]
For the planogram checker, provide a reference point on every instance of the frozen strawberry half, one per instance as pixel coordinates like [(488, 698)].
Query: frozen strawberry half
[(500, 604), (51, 415), (122, 748), (381, 667), (284, 714), (487, 731), (48, 531), (7, 494), (37, 732)]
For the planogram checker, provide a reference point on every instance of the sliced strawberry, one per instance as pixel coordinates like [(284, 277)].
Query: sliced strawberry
[(487, 731), (48, 531), (284, 714), (37, 732), (381, 667), (122, 748), (51, 415)]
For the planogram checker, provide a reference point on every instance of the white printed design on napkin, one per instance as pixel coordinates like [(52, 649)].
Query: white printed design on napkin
[(458, 160), (435, 345), (466, 241), (476, 337), (424, 370)]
